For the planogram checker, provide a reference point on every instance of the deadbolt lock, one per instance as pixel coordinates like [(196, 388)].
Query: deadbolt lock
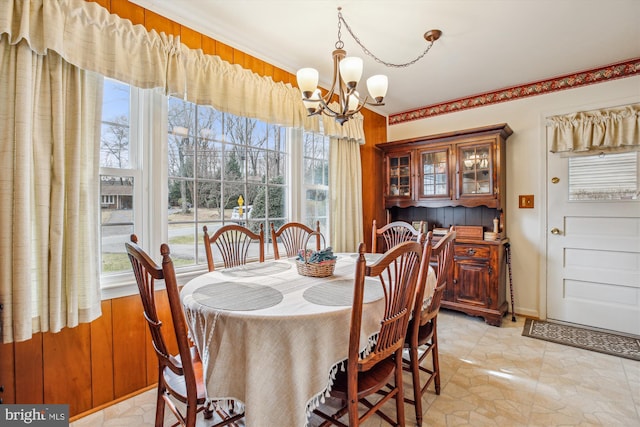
[(555, 180)]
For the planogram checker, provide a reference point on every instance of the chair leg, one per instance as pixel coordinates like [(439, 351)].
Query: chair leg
[(160, 404), (417, 388), (400, 394), (354, 418), (436, 363), (208, 412)]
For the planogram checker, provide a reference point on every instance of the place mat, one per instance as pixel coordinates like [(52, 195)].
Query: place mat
[(588, 339), (257, 268), (237, 296), (370, 258), (340, 292)]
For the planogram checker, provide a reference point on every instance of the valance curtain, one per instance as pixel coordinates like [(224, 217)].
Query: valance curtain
[(49, 122), (87, 36), (607, 130)]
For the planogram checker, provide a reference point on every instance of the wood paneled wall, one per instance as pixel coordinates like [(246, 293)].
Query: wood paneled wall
[(87, 366), (94, 364)]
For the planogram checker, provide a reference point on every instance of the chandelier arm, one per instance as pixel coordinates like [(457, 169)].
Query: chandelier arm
[(325, 107), (367, 102), (368, 52)]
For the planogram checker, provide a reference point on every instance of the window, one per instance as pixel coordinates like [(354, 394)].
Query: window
[(604, 177), (316, 180), (118, 177), (217, 169), (219, 164)]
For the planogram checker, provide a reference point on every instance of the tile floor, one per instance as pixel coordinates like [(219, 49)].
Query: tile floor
[(490, 377)]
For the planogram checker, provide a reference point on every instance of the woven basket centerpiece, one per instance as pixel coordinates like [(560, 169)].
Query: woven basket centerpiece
[(315, 263)]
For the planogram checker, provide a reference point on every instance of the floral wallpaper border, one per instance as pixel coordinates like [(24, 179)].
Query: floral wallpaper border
[(569, 81)]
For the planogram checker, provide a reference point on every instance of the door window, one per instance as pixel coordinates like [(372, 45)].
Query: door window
[(604, 177)]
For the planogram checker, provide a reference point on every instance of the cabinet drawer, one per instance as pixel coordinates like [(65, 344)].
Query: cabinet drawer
[(472, 251)]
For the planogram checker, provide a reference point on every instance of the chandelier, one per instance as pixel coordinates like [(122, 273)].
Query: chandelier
[(347, 71)]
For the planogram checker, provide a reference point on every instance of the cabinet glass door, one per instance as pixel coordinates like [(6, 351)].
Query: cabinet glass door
[(399, 176), (475, 169), (434, 174)]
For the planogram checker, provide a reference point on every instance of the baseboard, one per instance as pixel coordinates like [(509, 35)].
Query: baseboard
[(113, 402)]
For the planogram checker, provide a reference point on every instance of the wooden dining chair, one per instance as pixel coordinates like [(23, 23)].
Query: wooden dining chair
[(393, 233), (381, 369), (292, 235), (422, 330), (233, 242), (179, 376)]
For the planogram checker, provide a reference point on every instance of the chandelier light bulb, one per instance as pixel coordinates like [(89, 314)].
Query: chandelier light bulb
[(351, 70), (313, 102), (377, 86), (307, 81)]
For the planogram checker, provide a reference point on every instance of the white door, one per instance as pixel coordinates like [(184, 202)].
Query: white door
[(593, 252)]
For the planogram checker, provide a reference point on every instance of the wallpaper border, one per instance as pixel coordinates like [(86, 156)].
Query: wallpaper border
[(610, 72)]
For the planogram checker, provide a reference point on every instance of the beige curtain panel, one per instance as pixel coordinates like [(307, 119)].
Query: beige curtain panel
[(49, 125), (606, 130), (89, 37), (345, 188)]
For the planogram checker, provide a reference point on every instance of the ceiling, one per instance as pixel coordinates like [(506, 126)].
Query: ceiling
[(486, 44)]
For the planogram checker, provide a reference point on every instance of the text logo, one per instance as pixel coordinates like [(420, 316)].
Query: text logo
[(34, 415)]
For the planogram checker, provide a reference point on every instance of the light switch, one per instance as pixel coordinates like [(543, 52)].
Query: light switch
[(525, 201)]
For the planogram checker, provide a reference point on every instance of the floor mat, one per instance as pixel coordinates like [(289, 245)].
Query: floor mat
[(588, 339)]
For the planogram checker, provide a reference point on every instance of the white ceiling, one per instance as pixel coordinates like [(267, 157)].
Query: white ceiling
[(486, 44)]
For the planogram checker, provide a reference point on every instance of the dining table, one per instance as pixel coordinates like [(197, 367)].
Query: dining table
[(271, 340)]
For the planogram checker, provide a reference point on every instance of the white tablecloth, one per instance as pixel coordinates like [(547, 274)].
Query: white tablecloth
[(273, 339)]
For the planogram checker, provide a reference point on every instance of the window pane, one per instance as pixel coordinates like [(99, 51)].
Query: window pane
[(210, 123), (116, 222), (604, 177), (209, 159), (183, 240), (277, 164), (235, 158), (180, 200), (256, 165), (315, 178), (114, 138), (116, 189), (209, 193), (257, 133), (235, 130), (181, 156), (276, 138)]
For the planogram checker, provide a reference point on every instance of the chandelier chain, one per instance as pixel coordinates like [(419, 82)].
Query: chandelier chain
[(340, 43), (368, 52)]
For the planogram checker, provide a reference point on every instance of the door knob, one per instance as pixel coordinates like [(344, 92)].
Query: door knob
[(555, 231)]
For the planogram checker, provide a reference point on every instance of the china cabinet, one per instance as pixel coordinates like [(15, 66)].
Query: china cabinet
[(457, 178)]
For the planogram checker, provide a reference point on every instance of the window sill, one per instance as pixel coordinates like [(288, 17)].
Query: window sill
[(127, 286)]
